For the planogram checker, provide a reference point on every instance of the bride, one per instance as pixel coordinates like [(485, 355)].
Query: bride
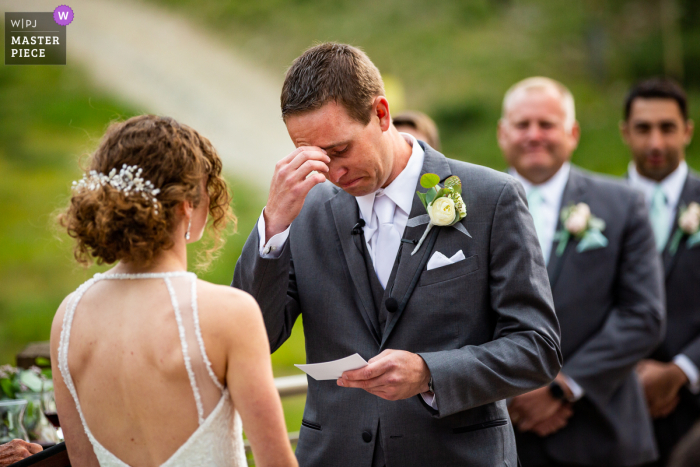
[(152, 366)]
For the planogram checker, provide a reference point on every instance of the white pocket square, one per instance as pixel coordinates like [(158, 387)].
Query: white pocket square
[(439, 260)]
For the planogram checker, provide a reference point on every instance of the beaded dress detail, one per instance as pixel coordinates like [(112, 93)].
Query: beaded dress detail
[(218, 440)]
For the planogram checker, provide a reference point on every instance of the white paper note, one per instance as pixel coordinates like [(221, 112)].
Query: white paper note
[(334, 369)]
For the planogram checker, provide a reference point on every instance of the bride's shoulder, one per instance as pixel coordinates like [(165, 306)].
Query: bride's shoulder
[(222, 301), (227, 316)]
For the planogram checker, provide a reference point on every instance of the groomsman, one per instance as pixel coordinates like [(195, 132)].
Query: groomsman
[(606, 280), (657, 130)]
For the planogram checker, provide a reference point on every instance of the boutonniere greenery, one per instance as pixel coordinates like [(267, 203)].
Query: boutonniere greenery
[(582, 225), (444, 205), (688, 225)]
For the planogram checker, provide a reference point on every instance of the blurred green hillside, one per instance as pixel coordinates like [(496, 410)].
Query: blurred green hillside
[(455, 59)]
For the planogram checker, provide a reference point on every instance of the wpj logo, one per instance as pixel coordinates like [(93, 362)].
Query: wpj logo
[(37, 38)]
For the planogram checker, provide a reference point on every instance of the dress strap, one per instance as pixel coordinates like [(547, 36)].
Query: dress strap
[(185, 352), (63, 351), (200, 341)]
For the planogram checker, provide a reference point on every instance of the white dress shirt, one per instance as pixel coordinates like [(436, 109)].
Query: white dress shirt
[(672, 186), (401, 191), (552, 191)]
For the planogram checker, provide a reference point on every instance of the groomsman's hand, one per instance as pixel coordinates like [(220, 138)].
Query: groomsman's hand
[(661, 383), (530, 409), (392, 375), (290, 185), (554, 423)]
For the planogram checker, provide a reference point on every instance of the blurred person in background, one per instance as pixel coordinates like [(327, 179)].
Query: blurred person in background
[(657, 130), (607, 285), (420, 126)]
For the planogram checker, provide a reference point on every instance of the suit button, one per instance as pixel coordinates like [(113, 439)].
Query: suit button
[(366, 436), (392, 305)]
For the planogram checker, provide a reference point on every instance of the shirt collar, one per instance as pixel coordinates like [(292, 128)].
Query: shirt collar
[(553, 189), (401, 190), (672, 185)]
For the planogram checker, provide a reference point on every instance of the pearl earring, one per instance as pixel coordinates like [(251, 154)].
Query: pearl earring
[(187, 234)]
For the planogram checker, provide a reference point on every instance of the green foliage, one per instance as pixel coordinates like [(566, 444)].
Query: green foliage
[(429, 180), (454, 183)]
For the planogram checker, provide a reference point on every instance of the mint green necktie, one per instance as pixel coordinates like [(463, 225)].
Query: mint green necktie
[(660, 217), (535, 202)]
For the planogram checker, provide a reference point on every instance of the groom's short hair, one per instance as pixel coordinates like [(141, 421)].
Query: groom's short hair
[(332, 72)]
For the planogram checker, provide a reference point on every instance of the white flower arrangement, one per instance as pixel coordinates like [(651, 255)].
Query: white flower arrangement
[(128, 180), (580, 223), (688, 225), (445, 205)]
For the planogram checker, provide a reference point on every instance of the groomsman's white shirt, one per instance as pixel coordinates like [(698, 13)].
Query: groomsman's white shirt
[(672, 186), (552, 191), (400, 191)]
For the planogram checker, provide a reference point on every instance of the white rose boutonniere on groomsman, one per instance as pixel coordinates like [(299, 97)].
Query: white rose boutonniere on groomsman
[(688, 225), (582, 225)]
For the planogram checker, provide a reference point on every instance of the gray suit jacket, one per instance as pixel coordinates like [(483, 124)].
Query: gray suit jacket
[(485, 326), (609, 302), (682, 272)]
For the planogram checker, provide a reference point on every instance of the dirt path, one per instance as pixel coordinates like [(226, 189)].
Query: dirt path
[(159, 63)]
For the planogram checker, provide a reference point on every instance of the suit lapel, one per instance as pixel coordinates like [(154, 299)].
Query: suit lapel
[(573, 193), (690, 193), (345, 214), (410, 267)]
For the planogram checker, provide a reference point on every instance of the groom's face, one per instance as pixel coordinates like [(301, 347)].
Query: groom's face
[(361, 160)]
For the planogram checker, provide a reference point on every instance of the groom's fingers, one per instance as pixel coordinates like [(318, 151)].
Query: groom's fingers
[(306, 153), (375, 369)]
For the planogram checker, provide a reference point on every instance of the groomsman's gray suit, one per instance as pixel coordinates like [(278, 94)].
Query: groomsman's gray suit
[(609, 302), (682, 272), (485, 326)]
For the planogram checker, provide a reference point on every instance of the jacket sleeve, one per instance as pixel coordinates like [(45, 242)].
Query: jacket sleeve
[(271, 281), (635, 325), (525, 351)]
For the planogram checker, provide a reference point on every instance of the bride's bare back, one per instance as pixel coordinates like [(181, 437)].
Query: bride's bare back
[(127, 364)]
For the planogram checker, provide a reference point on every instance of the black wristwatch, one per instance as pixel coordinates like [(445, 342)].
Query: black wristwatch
[(557, 391), (430, 385)]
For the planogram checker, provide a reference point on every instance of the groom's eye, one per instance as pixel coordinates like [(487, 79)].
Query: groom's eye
[(341, 150)]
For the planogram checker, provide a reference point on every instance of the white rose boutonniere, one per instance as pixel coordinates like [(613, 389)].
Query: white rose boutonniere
[(445, 205), (688, 225), (582, 225)]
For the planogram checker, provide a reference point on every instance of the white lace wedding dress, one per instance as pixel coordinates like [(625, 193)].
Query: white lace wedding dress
[(218, 440)]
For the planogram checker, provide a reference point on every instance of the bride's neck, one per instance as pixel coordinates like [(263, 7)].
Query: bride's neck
[(174, 259)]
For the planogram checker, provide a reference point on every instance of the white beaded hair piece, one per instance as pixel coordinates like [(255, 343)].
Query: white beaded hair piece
[(128, 180)]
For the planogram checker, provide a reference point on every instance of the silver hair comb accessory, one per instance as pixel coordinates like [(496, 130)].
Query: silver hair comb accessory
[(127, 180)]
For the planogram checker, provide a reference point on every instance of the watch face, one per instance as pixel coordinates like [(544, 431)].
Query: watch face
[(556, 391)]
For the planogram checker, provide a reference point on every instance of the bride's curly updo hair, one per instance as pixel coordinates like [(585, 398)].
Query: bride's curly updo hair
[(111, 225)]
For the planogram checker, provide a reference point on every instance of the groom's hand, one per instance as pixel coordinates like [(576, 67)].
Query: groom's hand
[(290, 185), (392, 375)]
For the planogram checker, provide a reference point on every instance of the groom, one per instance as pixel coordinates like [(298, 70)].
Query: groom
[(449, 332)]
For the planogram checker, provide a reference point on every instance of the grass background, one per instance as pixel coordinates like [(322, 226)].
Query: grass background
[(453, 60)]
